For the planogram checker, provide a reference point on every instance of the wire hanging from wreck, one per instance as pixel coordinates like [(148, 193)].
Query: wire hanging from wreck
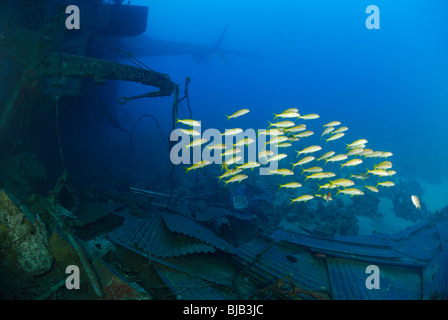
[(175, 112), (58, 129), (118, 50)]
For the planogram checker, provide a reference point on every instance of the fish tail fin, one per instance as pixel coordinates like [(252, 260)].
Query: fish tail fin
[(307, 178), (303, 171), (225, 167), (270, 124), (187, 169), (293, 165), (326, 162), (279, 186), (339, 191), (276, 115), (228, 117), (342, 165), (292, 200), (177, 120), (320, 187)]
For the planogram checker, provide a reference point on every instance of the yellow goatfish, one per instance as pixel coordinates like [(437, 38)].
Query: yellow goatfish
[(386, 154), (231, 152), (383, 165), (373, 189), (356, 143), (298, 128), (270, 132), (351, 163), (339, 130), (190, 132), (244, 141), (303, 161), (277, 139), (238, 113), (230, 132), (217, 146), (265, 154), (287, 115), (189, 122), (338, 157), (282, 124), (230, 173), (320, 175), (304, 134), (335, 136), (233, 160), (355, 151), (351, 191), (327, 131), (196, 142), (303, 198), (342, 182), (310, 149), (282, 172), (249, 165), (277, 157), (312, 170), (198, 165), (309, 116), (386, 184), (291, 110), (237, 178), (373, 154), (291, 185), (332, 124), (326, 155), (378, 172)]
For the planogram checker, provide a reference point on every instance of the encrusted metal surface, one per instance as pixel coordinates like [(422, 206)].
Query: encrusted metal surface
[(150, 236), (266, 262), (183, 225), (348, 281)]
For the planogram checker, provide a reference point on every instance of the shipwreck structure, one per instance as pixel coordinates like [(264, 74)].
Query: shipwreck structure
[(143, 244)]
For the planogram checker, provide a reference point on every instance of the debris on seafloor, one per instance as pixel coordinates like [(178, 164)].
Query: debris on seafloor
[(22, 174), (24, 242)]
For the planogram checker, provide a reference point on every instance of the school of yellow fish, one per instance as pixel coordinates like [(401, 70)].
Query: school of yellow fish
[(314, 161)]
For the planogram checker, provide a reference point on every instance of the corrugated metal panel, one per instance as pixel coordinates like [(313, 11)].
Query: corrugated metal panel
[(442, 228), (269, 262), (409, 231), (371, 239), (371, 253), (421, 245), (217, 268), (435, 277), (187, 287), (91, 212), (150, 235), (348, 280), (435, 274), (211, 213), (183, 225)]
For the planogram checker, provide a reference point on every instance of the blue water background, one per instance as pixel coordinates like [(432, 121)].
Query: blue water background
[(388, 86)]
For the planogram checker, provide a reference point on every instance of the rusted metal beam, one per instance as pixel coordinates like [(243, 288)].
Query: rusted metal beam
[(33, 52)]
